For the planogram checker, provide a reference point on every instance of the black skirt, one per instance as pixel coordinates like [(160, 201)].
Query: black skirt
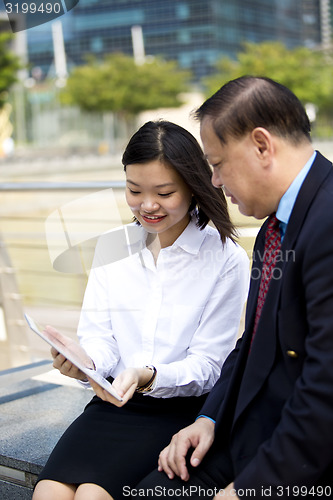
[(117, 447)]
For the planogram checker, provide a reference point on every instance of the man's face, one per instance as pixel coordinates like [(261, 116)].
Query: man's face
[(236, 168)]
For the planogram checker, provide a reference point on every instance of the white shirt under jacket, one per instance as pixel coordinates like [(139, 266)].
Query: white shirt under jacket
[(180, 315)]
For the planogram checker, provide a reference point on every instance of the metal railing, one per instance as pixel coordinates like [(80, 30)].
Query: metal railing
[(60, 186), (21, 243)]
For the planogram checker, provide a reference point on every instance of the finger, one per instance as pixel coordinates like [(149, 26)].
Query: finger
[(59, 336), (59, 361), (67, 368), (182, 468), (124, 397), (175, 460), (73, 371), (54, 352), (163, 463), (103, 394), (126, 393), (97, 389), (178, 454), (199, 453)]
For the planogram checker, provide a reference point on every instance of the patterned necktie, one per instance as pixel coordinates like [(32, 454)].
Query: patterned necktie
[(271, 251)]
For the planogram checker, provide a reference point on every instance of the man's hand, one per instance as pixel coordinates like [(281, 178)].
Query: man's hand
[(61, 363), (199, 435)]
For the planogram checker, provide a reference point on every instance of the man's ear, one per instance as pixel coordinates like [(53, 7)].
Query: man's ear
[(262, 139)]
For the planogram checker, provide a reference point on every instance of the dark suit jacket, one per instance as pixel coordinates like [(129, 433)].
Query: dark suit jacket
[(274, 406)]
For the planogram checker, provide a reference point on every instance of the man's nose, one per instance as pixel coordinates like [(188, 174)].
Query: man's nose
[(216, 180)]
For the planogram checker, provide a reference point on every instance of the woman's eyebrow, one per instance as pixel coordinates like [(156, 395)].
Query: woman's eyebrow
[(165, 184), (132, 182), (158, 186)]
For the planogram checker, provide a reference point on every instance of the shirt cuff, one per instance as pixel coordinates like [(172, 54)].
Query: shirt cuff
[(84, 383), (205, 416)]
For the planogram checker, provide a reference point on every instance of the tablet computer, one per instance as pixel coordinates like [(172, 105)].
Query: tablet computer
[(55, 342)]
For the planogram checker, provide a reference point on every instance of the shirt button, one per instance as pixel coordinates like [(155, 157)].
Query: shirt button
[(292, 354)]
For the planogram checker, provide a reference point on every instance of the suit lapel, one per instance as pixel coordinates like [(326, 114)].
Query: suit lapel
[(257, 262), (262, 354)]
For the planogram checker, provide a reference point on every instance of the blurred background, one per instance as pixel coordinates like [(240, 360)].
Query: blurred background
[(73, 90)]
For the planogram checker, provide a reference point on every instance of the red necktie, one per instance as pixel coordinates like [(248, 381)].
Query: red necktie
[(271, 251)]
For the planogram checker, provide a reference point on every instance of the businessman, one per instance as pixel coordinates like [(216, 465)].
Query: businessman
[(266, 428)]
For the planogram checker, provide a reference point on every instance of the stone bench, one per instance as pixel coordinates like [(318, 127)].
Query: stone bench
[(34, 413)]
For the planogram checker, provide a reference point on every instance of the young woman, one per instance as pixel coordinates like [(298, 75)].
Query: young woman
[(158, 322)]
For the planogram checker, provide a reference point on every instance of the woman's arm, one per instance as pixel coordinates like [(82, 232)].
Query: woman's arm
[(214, 337), (95, 326)]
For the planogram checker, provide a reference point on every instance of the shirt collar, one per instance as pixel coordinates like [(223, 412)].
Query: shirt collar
[(191, 238), (287, 201)]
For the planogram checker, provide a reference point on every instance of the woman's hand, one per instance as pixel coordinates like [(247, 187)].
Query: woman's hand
[(125, 384), (61, 363)]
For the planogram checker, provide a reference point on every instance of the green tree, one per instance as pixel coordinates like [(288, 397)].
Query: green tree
[(9, 65), (306, 72), (117, 84)]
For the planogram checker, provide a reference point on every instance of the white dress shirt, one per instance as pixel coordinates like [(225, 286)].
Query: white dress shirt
[(181, 314)]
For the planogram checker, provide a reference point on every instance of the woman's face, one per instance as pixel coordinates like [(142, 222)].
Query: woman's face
[(159, 199)]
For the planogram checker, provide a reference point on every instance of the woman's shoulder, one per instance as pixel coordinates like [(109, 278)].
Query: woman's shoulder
[(229, 247)]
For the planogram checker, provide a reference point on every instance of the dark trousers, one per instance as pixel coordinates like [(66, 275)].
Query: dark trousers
[(213, 474)]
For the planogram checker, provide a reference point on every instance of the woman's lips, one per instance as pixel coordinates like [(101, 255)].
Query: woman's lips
[(153, 219)]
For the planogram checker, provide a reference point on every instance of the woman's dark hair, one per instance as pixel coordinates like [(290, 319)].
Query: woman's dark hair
[(173, 145), (248, 102)]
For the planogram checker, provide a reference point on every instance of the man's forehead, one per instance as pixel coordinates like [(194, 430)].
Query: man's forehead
[(210, 141), (207, 122), (207, 131)]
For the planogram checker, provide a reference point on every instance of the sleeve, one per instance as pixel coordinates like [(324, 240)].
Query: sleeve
[(95, 326), (212, 404), (300, 450), (213, 339)]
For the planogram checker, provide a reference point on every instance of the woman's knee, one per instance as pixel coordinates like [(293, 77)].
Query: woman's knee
[(89, 491), (52, 490)]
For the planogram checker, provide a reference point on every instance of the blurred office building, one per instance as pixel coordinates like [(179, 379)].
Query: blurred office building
[(193, 32)]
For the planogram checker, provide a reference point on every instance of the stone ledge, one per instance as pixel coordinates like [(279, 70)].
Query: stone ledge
[(33, 416)]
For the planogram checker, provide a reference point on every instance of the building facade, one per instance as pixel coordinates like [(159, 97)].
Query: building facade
[(192, 32)]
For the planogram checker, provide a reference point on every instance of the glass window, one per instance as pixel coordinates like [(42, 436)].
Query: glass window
[(182, 11)]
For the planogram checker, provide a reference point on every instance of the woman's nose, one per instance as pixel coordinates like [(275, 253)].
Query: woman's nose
[(149, 205)]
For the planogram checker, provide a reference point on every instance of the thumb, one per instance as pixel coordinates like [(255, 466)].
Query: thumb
[(55, 335), (198, 454)]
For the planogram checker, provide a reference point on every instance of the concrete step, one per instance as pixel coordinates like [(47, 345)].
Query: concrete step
[(34, 413)]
